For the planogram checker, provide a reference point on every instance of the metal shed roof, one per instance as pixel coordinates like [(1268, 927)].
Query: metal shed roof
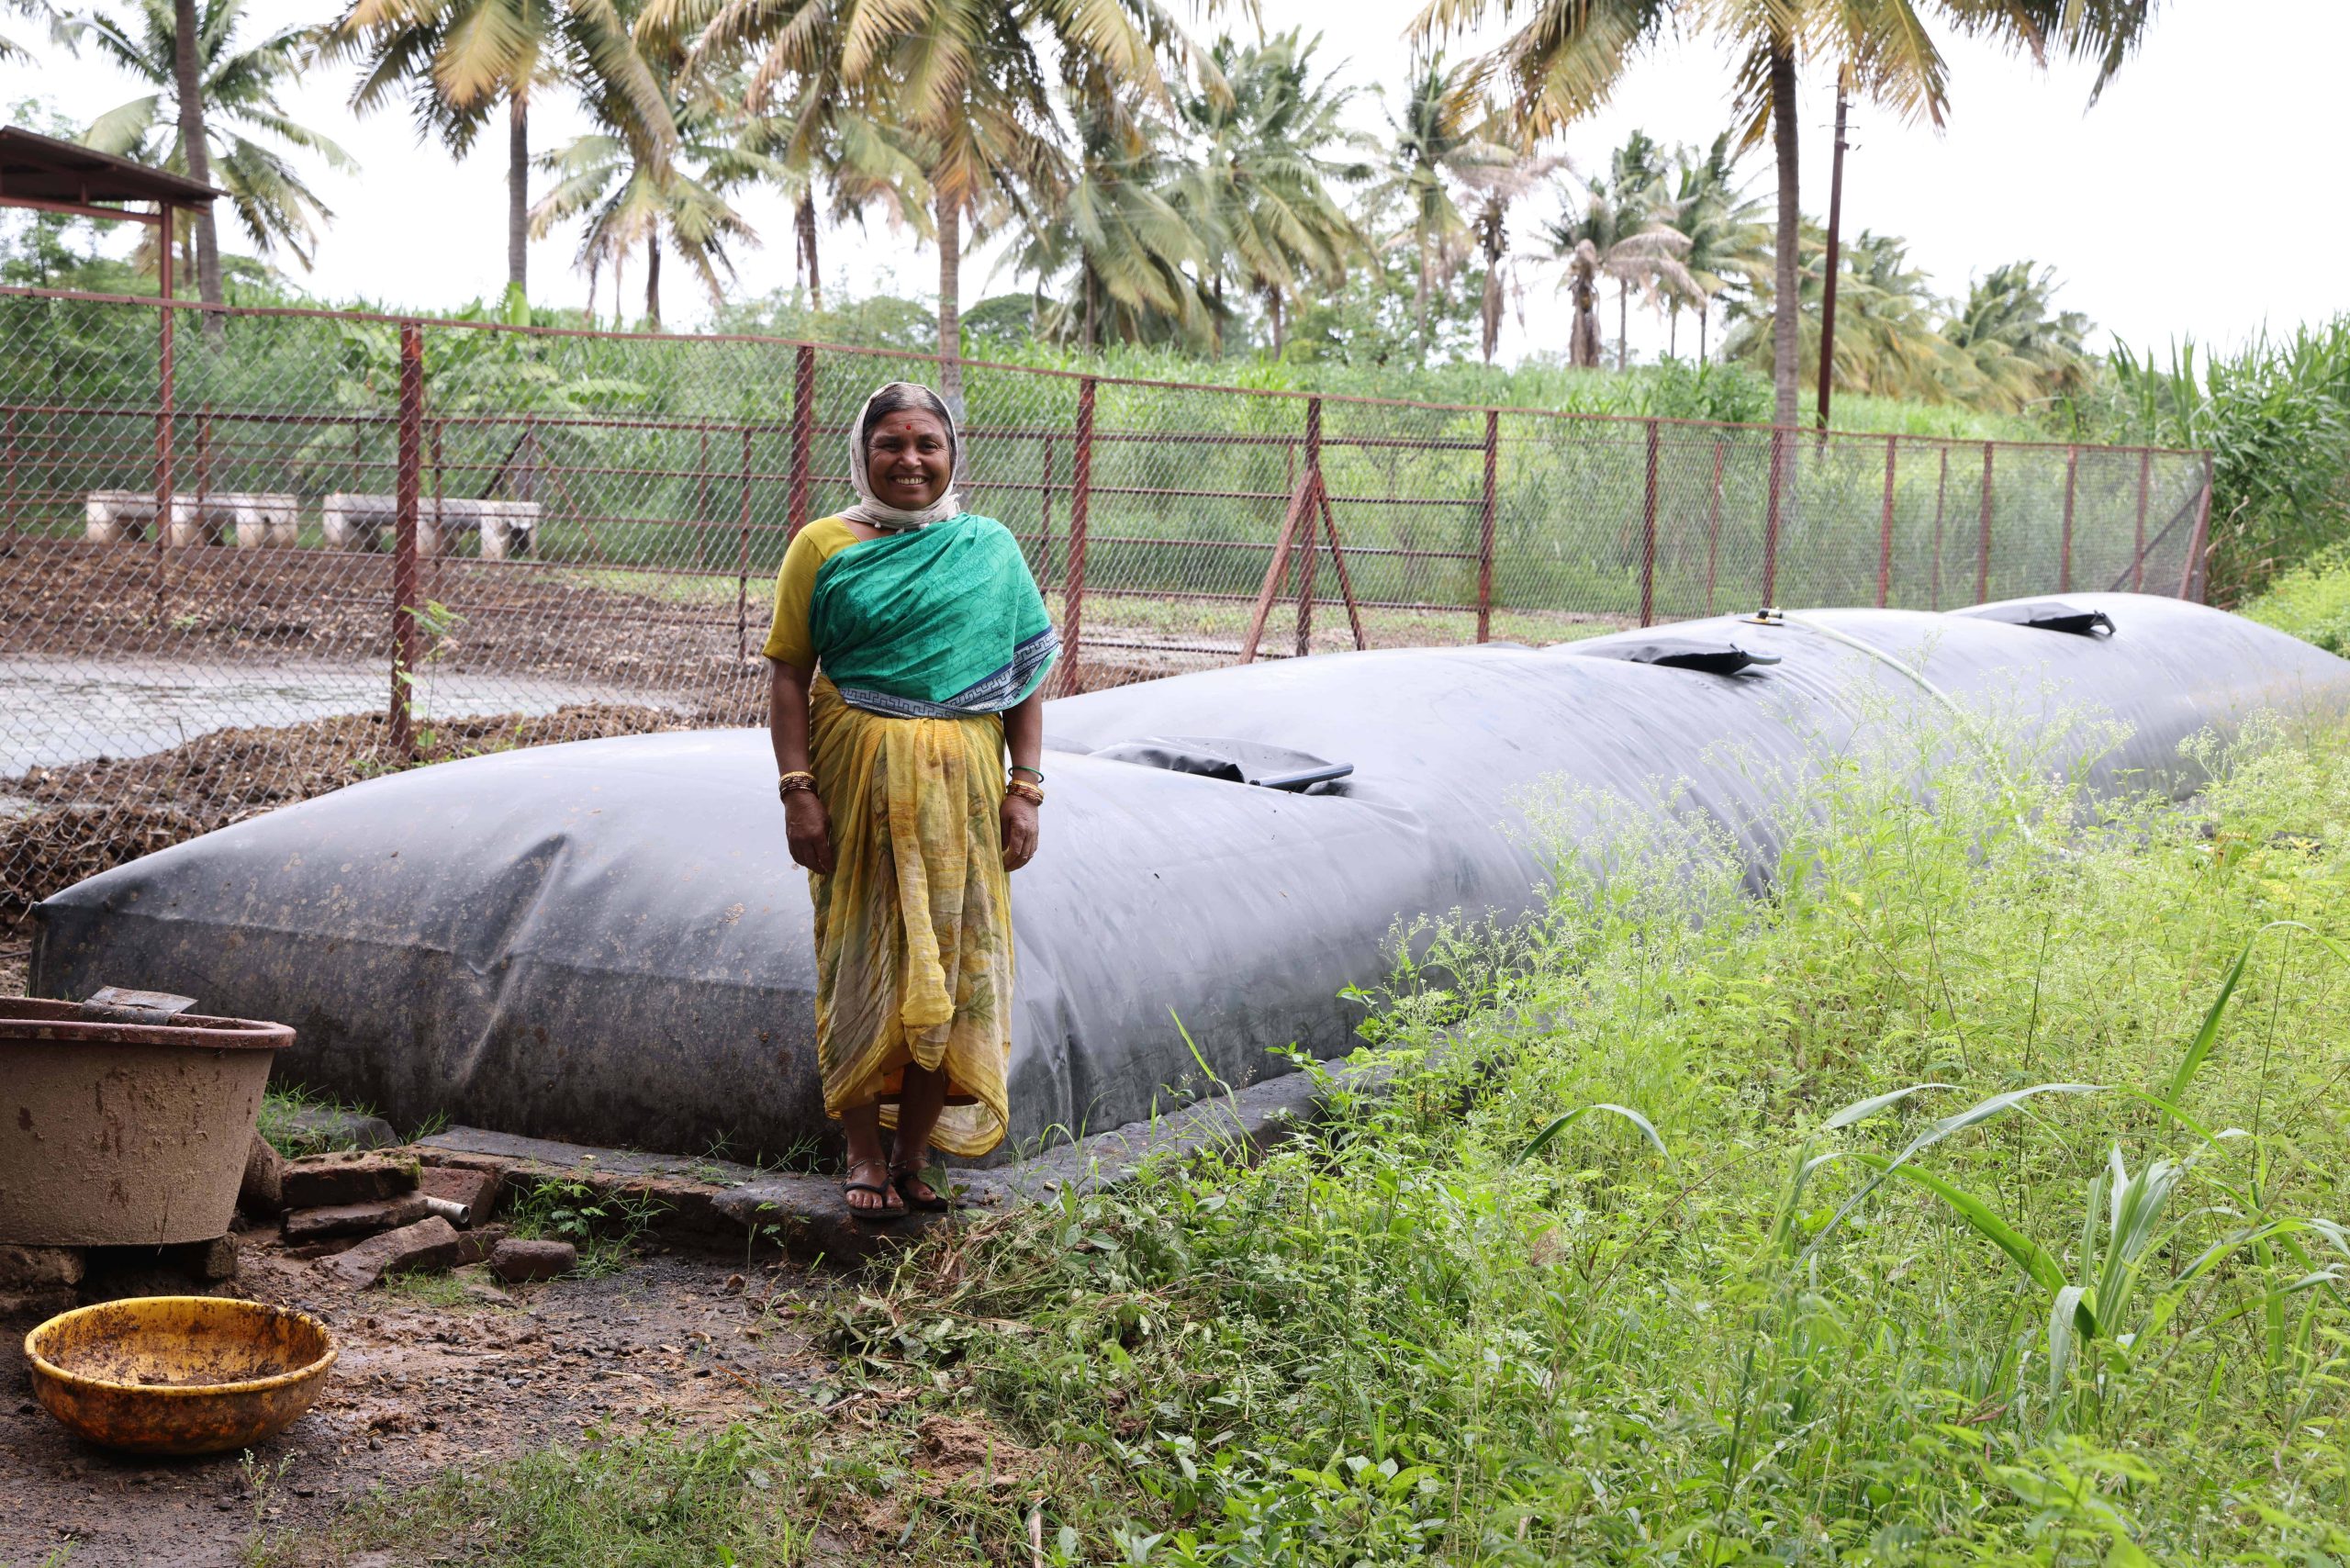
[(41, 171)]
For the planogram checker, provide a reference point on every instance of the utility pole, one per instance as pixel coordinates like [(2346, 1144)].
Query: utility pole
[(1828, 285)]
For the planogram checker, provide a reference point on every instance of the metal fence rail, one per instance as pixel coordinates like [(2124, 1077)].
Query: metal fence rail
[(258, 517)]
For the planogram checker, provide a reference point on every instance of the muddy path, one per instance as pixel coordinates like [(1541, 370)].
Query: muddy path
[(471, 1376)]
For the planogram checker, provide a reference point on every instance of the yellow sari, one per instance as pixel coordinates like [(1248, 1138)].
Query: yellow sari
[(913, 927)]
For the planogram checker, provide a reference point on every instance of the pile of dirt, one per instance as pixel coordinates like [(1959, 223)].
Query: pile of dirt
[(86, 817)]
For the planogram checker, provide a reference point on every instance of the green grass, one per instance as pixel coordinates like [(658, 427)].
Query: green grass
[(2311, 601), (1992, 1225), (282, 1104)]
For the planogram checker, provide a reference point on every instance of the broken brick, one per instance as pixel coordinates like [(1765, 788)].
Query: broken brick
[(429, 1244), (354, 1219), (325, 1181), (517, 1261)]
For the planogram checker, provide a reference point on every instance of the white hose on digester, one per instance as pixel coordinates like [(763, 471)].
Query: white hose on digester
[(1969, 722)]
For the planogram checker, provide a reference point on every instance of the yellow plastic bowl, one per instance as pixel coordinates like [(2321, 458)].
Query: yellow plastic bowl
[(179, 1373)]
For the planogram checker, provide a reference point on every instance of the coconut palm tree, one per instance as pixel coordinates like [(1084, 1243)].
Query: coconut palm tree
[(1730, 244), (970, 87), (1888, 335), (1495, 186), (836, 142), (628, 199), (2019, 349), (1266, 153), (1621, 224), (1566, 57), (456, 60), (1135, 259), (236, 101), (1442, 145)]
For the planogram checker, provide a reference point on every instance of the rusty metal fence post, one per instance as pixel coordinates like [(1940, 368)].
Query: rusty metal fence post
[(408, 481), (2138, 557), (743, 557), (1983, 549), (1305, 562), (803, 438), (165, 391), (1885, 527), (1942, 497), (1485, 510), (1648, 532), (1714, 526), (1081, 504), (1771, 516), (2190, 581), (2064, 542)]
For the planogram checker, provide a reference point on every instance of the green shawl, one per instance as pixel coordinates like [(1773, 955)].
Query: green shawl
[(942, 621)]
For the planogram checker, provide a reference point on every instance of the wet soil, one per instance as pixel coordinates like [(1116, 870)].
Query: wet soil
[(680, 1341)]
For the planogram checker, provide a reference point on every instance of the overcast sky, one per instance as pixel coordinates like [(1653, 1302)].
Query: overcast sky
[(2231, 108)]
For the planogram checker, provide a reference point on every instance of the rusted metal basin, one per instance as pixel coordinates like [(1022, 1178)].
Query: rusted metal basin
[(117, 1133), (179, 1373)]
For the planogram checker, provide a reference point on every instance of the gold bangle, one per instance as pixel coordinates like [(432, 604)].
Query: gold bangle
[(1029, 792), (799, 779)]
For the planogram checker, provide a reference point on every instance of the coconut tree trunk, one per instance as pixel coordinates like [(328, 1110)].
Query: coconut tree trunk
[(1623, 322), (1673, 331), (950, 295), (653, 279), (1786, 303), (187, 83), (803, 219), (1273, 312), (518, 193), (1705, 317)]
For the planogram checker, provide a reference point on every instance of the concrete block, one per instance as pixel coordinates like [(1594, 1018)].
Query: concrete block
[(263, 1191), (478, 1190)]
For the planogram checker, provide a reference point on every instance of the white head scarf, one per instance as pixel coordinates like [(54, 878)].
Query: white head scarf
[(869, 508)]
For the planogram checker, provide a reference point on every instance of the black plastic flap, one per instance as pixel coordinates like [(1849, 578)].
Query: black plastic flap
[(2047, 615), (1687, 653)]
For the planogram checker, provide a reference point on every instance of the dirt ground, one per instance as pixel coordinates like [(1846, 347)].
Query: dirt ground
[(679, 1340)]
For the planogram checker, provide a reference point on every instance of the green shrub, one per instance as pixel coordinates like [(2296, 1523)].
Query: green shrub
[(2311, 601)]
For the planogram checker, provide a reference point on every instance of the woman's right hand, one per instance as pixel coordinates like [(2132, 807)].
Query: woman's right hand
[(809, 830)]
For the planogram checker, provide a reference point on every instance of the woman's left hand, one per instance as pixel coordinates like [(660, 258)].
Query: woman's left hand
[(1019, 832)]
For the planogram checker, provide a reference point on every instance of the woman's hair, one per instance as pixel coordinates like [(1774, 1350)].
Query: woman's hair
[(896, 399)]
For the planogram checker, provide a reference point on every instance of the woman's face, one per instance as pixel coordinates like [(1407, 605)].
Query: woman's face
[(908, 460)]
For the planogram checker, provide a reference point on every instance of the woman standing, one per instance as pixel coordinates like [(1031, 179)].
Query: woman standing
[(907, 649)]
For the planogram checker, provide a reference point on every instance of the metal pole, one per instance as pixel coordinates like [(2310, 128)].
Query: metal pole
[(408, 481), (1306, 562), (1045, 503), (803, 434), (1982, 550), (1485, 526), (1884, 528), (1081, 506), (743, 556), (1648, 534), (163, 403), (1714, 526), (2064, 542), (1828, 282), (1942, 495), (2190, 582), (1770, 517), (203, 471), (2138, 559)]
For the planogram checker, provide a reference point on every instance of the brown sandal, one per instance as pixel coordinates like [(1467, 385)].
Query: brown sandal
[(885, 1210)]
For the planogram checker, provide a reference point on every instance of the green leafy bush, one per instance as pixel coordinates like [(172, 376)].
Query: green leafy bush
[(2311, 601)]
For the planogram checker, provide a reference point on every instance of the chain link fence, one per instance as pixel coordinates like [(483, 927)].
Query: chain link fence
[(248, 556)]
